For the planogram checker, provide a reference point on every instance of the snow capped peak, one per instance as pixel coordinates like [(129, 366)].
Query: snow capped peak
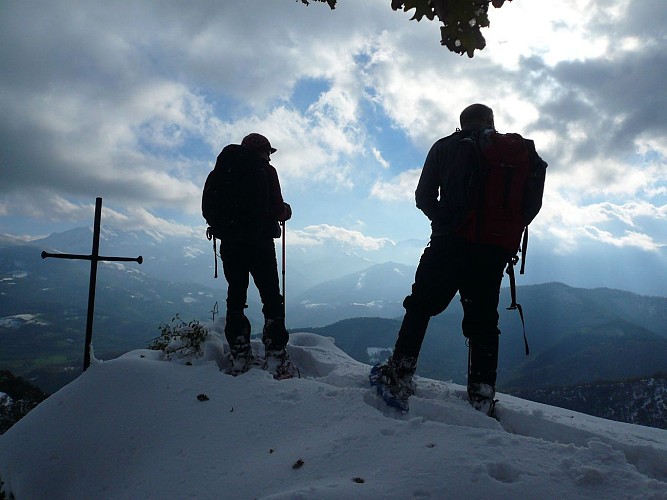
[(360, 280)]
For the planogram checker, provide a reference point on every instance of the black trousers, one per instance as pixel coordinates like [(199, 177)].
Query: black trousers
[(257, 258), (449, 265)]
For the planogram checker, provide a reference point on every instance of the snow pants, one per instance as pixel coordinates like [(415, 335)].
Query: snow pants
[(449, 265), (242, 258)]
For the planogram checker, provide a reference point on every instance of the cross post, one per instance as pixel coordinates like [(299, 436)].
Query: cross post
[(94, 258)]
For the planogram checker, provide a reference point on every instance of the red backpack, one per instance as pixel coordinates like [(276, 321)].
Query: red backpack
[(505, 186)]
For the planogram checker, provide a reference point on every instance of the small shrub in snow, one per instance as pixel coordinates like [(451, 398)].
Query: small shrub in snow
[(180, 338)]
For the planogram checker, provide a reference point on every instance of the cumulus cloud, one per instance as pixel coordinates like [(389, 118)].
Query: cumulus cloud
[(400, 188), (140, 219), (565, 220), (317, 235), (378, 157), (629, 239), (133, 101)]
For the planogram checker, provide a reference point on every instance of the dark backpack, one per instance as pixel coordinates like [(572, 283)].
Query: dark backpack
[(504, 184), (235, 200)]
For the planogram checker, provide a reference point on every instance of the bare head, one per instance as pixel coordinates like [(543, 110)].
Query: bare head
[(476, 116)]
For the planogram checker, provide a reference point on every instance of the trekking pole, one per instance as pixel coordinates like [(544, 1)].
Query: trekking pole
[(283, 271)]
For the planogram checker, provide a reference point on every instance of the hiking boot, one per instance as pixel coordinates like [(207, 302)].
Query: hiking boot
[(240, 359), (396, 376), (237, 328), (278, 364), (274, 334), (481, 397)]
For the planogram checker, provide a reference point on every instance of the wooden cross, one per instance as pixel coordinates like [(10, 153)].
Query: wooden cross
[(94, 258)]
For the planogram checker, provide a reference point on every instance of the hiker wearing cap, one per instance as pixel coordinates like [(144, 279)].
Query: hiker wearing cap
[(243, 205)]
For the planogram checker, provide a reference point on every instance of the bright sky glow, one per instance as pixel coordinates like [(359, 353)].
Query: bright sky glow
[(132, 102)]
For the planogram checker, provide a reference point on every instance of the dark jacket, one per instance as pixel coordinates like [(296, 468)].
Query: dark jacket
[(242, 199), (441, 192), (443, 188), (278, 210)]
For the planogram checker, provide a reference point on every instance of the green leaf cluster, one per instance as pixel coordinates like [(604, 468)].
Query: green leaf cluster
[(179, 337), (461, 19), (332, 3)]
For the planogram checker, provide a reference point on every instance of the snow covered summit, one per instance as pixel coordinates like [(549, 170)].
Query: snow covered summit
[(140, 426)]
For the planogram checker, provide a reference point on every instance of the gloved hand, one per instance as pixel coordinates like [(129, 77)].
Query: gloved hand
[(288, 210)]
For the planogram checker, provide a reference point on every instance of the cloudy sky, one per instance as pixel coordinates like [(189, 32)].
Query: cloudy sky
[(132, 101)]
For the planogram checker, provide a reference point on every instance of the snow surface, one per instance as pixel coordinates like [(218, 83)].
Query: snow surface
[(134, 427)]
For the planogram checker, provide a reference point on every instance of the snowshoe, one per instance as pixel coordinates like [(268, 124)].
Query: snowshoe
[(241, 359), (392, 394), (481, 397), (278, 364)]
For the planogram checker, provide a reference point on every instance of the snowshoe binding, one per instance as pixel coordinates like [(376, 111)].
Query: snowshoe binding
[(394, 389), (240, 360), (278, 364), (481, 397)]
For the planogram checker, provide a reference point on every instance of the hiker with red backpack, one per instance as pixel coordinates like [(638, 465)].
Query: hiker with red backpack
[(243, 205), (480, 190)]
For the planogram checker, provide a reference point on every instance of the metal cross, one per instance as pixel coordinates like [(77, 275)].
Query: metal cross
[(94, 258)]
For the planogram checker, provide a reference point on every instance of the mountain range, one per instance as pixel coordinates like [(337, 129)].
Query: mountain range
[(576, 335)]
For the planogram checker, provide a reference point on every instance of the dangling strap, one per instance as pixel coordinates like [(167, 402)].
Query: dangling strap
[(524, 248), (215, 259), (210, 237), (514, 304), (469, 356)]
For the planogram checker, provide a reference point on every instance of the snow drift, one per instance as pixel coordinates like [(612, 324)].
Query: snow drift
[(141, 426)]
